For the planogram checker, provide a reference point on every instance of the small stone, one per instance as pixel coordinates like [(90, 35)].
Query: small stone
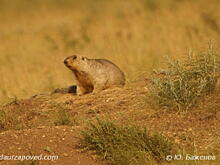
[(41, 127), (109, 99), (65, 154), (47, 149), (29, 145), (15, 136)]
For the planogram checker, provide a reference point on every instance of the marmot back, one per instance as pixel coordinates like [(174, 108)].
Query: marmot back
[(93, 75)]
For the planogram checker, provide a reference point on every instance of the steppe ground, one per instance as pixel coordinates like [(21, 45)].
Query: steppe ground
[(35, 37)]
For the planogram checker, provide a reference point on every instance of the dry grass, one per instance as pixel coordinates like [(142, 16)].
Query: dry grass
[(182, 84), (125, 145), (36, 36)]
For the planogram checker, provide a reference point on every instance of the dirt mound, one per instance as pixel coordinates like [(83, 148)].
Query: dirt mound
[(50, 142), (36, 119)]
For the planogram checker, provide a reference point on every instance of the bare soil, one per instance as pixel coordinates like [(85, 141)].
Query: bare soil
[(36, 133)]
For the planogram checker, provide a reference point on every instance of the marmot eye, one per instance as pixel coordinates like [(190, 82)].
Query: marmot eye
[(74, 57), (83, 58)]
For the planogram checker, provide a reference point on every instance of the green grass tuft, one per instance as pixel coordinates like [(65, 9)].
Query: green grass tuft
[(9, 120), (64, 118), (125, 145), (184, 83)]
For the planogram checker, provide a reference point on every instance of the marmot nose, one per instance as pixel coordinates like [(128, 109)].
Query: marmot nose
[(66, 60)]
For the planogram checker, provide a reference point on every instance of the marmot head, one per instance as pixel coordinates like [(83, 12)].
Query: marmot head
[(75, 62)]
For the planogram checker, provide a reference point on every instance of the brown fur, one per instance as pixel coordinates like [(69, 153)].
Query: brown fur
[(94, 75)]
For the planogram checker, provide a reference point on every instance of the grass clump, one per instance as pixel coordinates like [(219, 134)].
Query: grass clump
[(64, 118), (125, 145), (9, 120), (184, 83)]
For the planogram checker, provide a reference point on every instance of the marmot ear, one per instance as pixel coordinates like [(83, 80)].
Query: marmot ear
[(74, 56)]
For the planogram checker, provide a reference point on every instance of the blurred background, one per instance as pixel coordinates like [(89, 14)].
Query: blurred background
[(36, 35)]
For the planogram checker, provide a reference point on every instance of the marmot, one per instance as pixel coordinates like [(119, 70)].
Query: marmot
[(93, 75)]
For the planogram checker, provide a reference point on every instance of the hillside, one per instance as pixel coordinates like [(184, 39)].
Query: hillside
[(42, 127)]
